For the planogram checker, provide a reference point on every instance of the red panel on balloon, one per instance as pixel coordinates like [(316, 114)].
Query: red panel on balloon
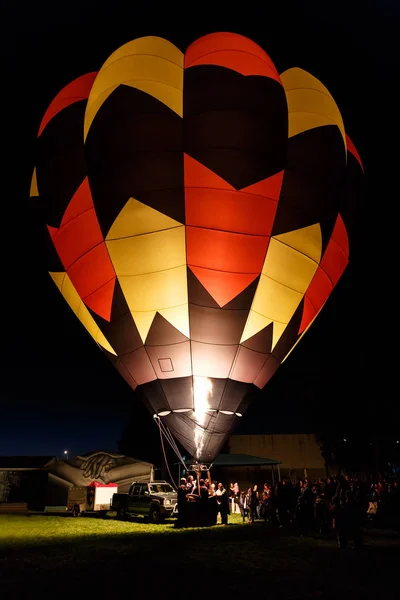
[(268, 188), (77, 238), (80, 246), (80, 202), (317, 294), (223, 287), (223, 251), (351, 148), (91, 272), (79, 231), (309, 313), (197, 175), (229, 211), (339, 235), (334, 262), (212, 203), (232, 51), (100, 301), (79, 89)]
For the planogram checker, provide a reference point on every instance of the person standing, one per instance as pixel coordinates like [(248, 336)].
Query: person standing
[(253, 503), (222, 503), (182, 503)]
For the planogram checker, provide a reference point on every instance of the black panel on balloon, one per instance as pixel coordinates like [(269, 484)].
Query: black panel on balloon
[(327, 226), (154, 396), (208, 444), (119, 365), (245, 298), (218, 431), (162, 333), (234, 393), (171, 361), (235, 125), (119, 305), (179, 392), (139, 366), (60, 166), (212, 360), (197, 292), (261, 341), (182, 428), (134, 149), (248, 364), (218, 387), (318, 154), (269, 369), (215, 325), (252, 394), (290, 335), (45, 244), (121, 331), (313, 179)]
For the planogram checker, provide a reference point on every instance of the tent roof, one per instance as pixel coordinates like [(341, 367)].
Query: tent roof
[(240, 460)]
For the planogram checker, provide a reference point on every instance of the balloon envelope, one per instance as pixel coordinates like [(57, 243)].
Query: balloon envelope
[(197, 206)]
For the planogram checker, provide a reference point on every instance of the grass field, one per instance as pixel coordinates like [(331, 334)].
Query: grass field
[(52, 555)]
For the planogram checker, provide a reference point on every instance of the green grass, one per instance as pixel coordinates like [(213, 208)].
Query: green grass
[(54, 554)]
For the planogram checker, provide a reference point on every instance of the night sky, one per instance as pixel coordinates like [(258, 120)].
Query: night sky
[(57, 389)]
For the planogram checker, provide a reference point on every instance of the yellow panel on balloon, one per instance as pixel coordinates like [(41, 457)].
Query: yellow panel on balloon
[(150, 44), (137, 218), (255, 323), (71, 296), (148, 253), (277, 330), (155, 291), (275, 300), (34, 188), (178, 316), (307, 240), (288, 266), (310, 104), (150, 64), (143, 321), (158, 291)]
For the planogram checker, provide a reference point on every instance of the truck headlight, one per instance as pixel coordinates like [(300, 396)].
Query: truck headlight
[(166, 501)]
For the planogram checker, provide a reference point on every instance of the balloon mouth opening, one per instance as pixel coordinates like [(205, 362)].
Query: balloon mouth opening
[(165, 413)]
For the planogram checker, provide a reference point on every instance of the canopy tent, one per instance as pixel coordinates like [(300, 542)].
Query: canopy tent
[(238, 460), (244, 460)]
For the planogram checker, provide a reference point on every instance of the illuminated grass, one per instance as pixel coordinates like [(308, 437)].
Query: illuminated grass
[(48, 529), (53, 553)]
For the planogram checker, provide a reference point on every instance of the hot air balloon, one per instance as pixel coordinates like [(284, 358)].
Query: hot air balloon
[(198, 208)]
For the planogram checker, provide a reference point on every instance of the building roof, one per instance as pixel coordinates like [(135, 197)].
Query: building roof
[(23, 462), (240, 460)]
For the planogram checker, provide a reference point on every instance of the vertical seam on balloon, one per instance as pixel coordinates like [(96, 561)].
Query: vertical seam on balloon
[(266, 252), (184, 201)]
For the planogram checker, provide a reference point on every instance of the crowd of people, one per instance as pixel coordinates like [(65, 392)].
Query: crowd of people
[(200, 503), (342, 505)]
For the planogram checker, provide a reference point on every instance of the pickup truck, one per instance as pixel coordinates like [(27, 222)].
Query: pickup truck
[(155, 500)]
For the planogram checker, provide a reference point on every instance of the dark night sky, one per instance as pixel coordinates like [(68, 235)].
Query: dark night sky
[(57, 389)]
